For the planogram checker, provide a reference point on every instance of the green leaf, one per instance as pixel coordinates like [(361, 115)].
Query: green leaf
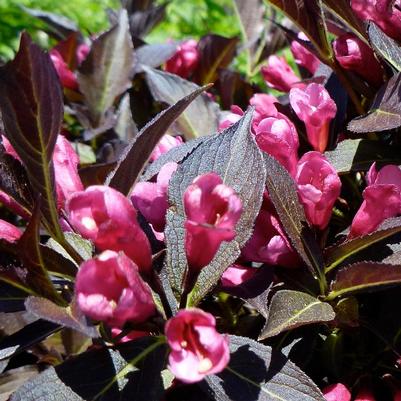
[(364, 277), (385, 112), (200, 118), (31, 104), (336, 254), (258, 373), (290, 309), (137, 153), (107, 71)]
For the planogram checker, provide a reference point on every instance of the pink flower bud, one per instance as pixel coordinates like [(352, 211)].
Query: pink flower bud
[(314, 106), (197, 349), (109, 288), (303, 56), (185, 60), (365, 395), (107, 217), (264, 107), (150, 198), (65, 162), (230, 118), (336, 392), (212, 210), (384, 189), (354, 55), (67, 77), (9, 148), (165, 144), (278, 74), (236, 275), (269, 243), (82, 52), (318, 188), (132, 335), (279, 138), (9, 232)]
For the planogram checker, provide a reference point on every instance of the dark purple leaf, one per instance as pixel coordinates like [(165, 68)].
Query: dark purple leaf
[(142, 22), (154, 55)]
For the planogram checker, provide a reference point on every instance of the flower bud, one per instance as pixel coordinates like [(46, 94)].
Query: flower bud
[(336, 392), (236, 275), (212, 210), (166, 143), (229, 118), (109, 288), (197, 349), (318, 188), (67, 77), (150, 198), (384, 189), (279, 138), (185, 60), (303, 56), (9, 232), (107, 217), (278, 74), (314, 106), (354, 55)]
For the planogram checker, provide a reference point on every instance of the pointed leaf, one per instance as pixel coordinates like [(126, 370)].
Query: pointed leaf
[(107, 71), (200, 118), (142, 22), (290, 309), (137, 153), (154, 55), (256, 372)]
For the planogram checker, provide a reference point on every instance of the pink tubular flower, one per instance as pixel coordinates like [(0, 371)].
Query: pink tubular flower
[(264, 107), (314, 106), (107, 217), (354, 55), (236, 275), (212, 210), (384, 189), (185, 60), (109, 288), (385, 13), (150, 198), (303, 56), (336, 392), (9, 232), (318, 188), (165, 144), (279, 138), (278, 74), (197, 349), (231, 117), (269, 243), (67, 77)]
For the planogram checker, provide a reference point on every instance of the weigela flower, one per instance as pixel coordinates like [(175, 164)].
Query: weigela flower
[(236, 275), (354, 55), (9, 232), (318, 188), (336, 392), (279, 138), (264, 107), (165, 144), (67, 77), (150, 198), (314, 106), (185, 60), (212, 210), (303, 56), (231, 117), (197, 349), (109, 288), (384, 189), (278, 74), (108, 218)]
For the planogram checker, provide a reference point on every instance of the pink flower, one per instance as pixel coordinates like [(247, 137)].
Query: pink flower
[(397, 395), (365, 395), (264, 107), (303, 56), (278, 74), (279, 138), (231, 117), (269, 243), (336, 392), (9, 232), (109, 288), (107, 217), (165, 144), (150, 198), (185, 60), (197, 349), (212, 210), (236, 275), (132, 335), (384, 189), (314, 106), (385, 13), (67, 77), (354, 55), (318, 188), (82, 52)]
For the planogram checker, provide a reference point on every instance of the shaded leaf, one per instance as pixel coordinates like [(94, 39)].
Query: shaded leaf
[(11, 299), (125, 127), (96, 174), (142, 22), (14, 378), (68, 49), (200, 118), (107, 70), (364, 277), (291, 309), (154, 55), (256, 372), (137, 153), (85, 153), (385, 112)]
